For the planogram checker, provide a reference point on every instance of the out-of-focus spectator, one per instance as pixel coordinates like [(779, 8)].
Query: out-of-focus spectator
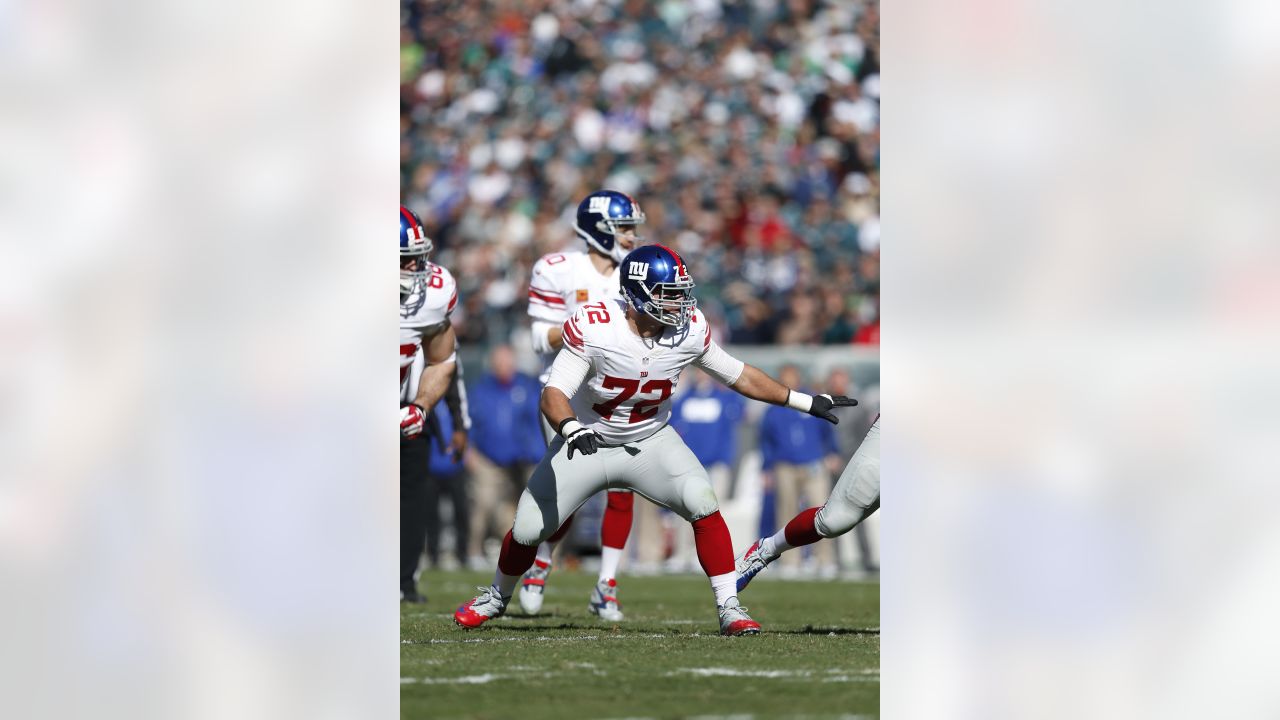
[(797, 451), (750, 130), (506, 444), (707, 414), (869, 327), (448, 479), (854, 421)]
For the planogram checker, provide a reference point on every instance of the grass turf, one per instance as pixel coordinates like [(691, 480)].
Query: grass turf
[(817, 656)]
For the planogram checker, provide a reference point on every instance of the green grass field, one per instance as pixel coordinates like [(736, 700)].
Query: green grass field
[(817, 656)]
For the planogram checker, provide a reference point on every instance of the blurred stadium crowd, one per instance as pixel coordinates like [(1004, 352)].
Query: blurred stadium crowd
[(748, 131)]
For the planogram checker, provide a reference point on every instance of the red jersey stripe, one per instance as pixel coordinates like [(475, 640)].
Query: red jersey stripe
[(571, 334), (550, 299)]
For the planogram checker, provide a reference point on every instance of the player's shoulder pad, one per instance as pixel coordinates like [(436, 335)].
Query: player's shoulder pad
[(442, 295), (589, 324), (552, 270), (700, 330)]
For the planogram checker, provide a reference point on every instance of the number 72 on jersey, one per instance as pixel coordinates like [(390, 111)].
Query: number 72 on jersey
[(642, 410)]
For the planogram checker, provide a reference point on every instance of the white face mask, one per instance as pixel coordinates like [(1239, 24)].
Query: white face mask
[(411, 278), (674, 309)]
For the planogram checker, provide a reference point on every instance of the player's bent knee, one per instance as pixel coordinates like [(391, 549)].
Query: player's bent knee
[(699, 501), (835, 520), (531, 530), (832, 523)]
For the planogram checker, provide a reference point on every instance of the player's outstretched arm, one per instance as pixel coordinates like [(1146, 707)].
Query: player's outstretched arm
[(441, 355), (755, 384)]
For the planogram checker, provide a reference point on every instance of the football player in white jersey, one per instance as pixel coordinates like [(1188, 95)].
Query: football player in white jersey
[(428, 295), (855, 497), (626, 355), (561, 283)]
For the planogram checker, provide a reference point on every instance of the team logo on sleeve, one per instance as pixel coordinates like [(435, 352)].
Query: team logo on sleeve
[(638, 270)]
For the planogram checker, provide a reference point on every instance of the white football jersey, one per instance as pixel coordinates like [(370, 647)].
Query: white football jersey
[(629, 386), (423, 313), (562, 283)]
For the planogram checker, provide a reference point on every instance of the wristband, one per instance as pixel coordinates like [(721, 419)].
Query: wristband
[(569, 426), (799, 401)]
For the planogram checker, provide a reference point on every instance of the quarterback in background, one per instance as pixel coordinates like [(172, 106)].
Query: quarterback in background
[(563, 282), (626, 356), (855, 497), (428, 295)]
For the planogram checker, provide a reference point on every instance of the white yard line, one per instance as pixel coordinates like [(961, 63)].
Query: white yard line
[(473, 679), (834, 675), (739, 716)]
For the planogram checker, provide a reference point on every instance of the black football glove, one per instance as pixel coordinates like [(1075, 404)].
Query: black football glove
[(822, 405), (586, 441), (583, 439)]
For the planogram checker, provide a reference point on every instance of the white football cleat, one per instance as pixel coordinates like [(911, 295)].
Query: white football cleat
[(734, 619), (483, 608), (604, 601), (533, 587), (750, 564)]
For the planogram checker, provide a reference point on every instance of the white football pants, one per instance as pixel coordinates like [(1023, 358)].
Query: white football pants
[(857, 492), (660, 467)]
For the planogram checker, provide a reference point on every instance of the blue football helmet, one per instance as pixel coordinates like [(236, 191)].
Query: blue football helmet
[(601, 215), (414, 248), (656, 282)]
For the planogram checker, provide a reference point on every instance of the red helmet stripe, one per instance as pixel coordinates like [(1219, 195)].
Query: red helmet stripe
[(679, 263), (417, 229)]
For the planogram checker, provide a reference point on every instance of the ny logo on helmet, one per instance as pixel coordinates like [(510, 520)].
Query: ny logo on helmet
[(599, 204), (638, 270)]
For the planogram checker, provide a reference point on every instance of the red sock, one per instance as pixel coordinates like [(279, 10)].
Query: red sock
[(715, 547), (564, 530), (800, 531), (515, 558), (617, 520)]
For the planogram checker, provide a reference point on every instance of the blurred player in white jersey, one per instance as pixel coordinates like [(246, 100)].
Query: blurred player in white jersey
[(627, 355), (855, 497), (428, 295), (563, 282)]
